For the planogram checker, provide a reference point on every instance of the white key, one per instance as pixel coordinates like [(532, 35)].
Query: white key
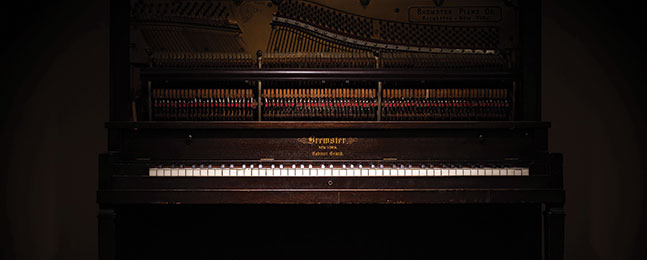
[(525, 172), (327, 172), (343, 172), (459, 172), (262, 172), (299, 172), (335, 172), (408, 172), (226, 172), (247, 171), (516, 172), (371, 172), (481, 172), (364, 172), (503, 171), (167, 171), (204, 172), (152, 171), (496, 172), (292, 172), (386, 172), (181, 172), (416, 172), (379, 172), (255, 172), (217, 171), (436, 172), (275, 172), (211, 172), (444, 172), (488, 171), (452, 172), (400, 171)]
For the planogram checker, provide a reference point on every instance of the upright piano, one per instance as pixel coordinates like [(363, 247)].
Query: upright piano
[(328, 129)]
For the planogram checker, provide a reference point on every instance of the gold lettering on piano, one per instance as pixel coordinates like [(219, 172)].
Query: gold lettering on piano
[(432, 14), (327, 153), (327, 146), (327, 140)]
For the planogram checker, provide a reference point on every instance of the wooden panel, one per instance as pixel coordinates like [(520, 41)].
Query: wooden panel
[(314, 74), (109, 197), (447, 125), (312, 144), (450, 183)]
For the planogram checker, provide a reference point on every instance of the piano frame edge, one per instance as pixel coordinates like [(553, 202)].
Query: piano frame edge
[(327, 124)]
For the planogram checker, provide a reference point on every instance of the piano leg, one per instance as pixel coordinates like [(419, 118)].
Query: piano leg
[(554, 216), (107, 240)]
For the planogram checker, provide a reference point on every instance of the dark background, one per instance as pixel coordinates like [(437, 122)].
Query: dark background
[(56, 101)]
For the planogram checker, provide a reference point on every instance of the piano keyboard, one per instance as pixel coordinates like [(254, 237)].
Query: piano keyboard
[(346, 170)]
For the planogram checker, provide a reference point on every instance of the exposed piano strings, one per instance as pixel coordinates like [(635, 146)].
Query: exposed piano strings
[(445, 104), (319, 104), (203, 104), (354, 103)]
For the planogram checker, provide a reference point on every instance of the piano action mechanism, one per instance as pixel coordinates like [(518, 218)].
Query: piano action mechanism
[(328, 102)]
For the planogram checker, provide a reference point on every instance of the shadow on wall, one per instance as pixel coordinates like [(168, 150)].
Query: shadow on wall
[(591, 93), (56, 103)]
